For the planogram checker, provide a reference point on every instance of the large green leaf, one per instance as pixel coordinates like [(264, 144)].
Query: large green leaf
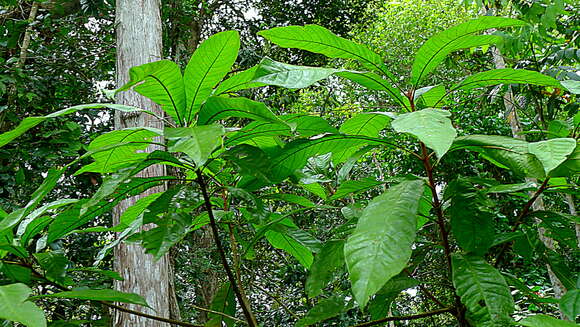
[(505, 152), (162, 82), (218, 108), (208, 65), (375, 82), (570, 304), (240, 81), (285, 242), (271, 72), (29, 122), (223, 301), (170, 230), (570, 166), (14, 307), (296, 153), (198, 142), (367, 124), (329, 259), (325, 309), (318, 39), (482, 290), (100, 295), (380, 246), (505, 76), (431, 126), (471, 221), (552, 152), (545, 321), (434, 51), (130, 141)]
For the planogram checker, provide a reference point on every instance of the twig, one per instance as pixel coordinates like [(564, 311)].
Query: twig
[(243, 302), (217, 313), (409, 317), (275, 298)]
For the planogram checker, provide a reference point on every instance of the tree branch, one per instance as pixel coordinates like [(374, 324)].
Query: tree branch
[(243, 302), (409, 317)]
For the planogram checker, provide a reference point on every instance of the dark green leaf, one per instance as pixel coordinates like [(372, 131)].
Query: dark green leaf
[(482, 290), (380, 247), (100, 295), (329, 259), (324, 309), (219, 108), (545, 321), (570, 304)]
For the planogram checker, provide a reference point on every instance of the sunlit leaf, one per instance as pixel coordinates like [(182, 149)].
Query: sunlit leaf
[(14, 307)]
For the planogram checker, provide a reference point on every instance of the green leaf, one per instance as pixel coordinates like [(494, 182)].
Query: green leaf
[(553, 152), (471, 222), (329, 259), (545, 321), (504, 152), (355, 187), (224, 301), (198, 142), (296, 153), (375, 82), (570, 166), (208, 65), (257, 129), (482, 290), (240, 81), (130, 141), (458, 37), (162, 82), (218, 108), (572, 85), (270, 72), (291, 198), (318, 39), (431, 96), (54, 265), (296, 242), (431, 126), (380, 246), (505, 76), (367, 124), (14, 307), (570, 304), (324, 309), (511, 188), (100, 295), (29, 122), (170, 230), (307, 126)]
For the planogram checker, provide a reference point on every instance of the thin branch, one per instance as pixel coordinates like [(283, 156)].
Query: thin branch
[(243, 302), (275, 298), (217, 313), (409, 317)]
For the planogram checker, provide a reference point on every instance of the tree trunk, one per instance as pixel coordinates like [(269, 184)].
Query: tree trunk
[(139, 42)]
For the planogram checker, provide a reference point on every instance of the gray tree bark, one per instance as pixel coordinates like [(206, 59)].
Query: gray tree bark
[(139, 42)]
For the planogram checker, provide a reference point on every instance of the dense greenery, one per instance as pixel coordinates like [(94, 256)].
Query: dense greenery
[(421, 209)]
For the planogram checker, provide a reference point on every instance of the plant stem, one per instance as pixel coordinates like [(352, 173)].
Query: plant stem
[(243, 302), (409, 317)]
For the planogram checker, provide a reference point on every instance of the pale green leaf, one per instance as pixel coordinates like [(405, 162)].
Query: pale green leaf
[(431, 126), (458, 37), (240, 81), (271, 72), (482, 290), (572, 85), (375, 82), (198, 142), (218, 108), (284, 242), (162, 82), (505, 76), (380, 246), (355, 186), (552, 152), (208, 65), (129, 142), (318, 39), (14, 307), (367, 124), (545, 321)]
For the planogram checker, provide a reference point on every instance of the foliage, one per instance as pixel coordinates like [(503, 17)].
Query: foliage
[(254, 173)]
